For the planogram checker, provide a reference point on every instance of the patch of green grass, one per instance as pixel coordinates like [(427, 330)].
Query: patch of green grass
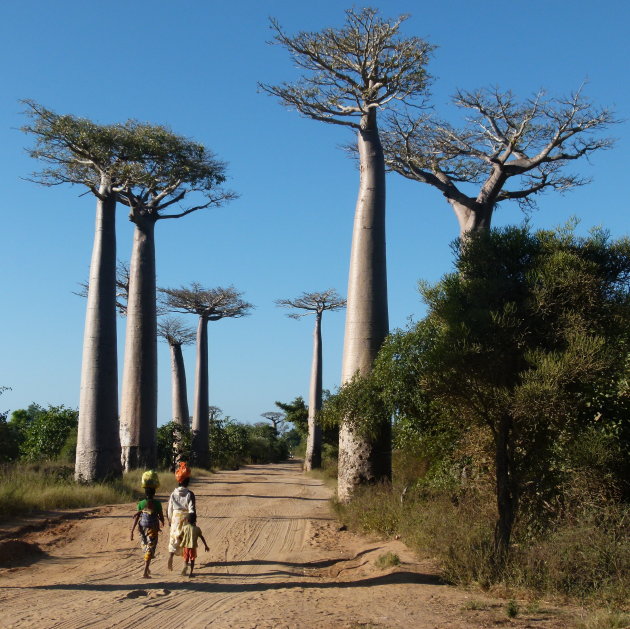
[(512, 609), (475, 605), (387, 560)]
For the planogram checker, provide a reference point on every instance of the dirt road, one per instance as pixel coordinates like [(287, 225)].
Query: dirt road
[(277, 560)]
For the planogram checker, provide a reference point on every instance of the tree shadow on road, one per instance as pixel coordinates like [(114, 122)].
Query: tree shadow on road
[(219, 586)]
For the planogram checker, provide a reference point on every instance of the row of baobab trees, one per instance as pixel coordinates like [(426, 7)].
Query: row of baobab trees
[(365, 76)]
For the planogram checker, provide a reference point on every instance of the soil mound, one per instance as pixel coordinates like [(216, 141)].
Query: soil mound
[(17, 551)]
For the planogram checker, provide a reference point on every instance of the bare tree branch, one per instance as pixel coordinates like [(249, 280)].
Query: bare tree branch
[(530, 141), (211, 304)]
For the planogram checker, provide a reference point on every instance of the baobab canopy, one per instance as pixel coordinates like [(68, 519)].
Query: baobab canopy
[(353, 70), (144, 162)]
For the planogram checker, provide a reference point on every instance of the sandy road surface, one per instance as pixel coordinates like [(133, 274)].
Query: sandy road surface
[(277, 560)]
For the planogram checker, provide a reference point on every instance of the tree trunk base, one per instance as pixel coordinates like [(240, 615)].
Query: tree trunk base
[(94, 466)]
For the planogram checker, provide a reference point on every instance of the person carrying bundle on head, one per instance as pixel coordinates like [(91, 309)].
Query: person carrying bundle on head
[(148, 518), (180, 504)]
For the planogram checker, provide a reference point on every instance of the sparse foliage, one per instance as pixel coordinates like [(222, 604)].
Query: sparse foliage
[(353, 71), (528, 144)]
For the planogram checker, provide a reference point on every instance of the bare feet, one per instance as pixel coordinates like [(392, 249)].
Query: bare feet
[(184, 570), (169, 565)]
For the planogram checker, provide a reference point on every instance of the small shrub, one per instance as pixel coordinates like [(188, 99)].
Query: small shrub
[(387, 560), (512, 609)]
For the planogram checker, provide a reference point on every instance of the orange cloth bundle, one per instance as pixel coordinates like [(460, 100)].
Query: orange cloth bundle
[(182, 472)]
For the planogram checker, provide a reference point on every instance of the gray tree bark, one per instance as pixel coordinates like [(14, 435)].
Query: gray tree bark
[(138, 418), (98, 443), (313, 457), (200, 427), (472, 218), (363, 460), (180, 412)]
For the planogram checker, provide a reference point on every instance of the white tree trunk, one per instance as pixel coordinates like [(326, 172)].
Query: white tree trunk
[(138, 418), (313, 458), (471, 220), (202, 399), (178, 381), (98, 443), (362, 460)]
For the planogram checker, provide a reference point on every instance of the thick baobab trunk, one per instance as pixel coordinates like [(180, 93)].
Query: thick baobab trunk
[(98, 442), (138, 417), (363, 460), (472, 220), (313, 458), (178, 381), (200, 428)]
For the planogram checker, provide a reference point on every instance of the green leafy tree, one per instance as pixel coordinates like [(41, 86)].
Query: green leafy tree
[(48, 432), (296, 413), (528, 342), (9, 437), (173, 444), (228, 442)]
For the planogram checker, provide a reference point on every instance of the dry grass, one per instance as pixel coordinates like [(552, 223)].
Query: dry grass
[(27, 488), (585, 557)]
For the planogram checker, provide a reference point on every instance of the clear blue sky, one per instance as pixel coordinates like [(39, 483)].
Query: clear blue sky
[(194, 65)]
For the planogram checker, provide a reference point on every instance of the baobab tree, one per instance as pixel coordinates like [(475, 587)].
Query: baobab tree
[(211, 304), (277, 421), (528, 143), (174, 170), (79, 151), (176, 334), (316, 304), (351, 74)]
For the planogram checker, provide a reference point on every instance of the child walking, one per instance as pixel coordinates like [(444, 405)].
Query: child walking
[(148, 518), (188, 541)]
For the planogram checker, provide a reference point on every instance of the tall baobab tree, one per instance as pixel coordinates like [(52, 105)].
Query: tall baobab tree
[(79, 151), (211, 304), (352, 73), (174, 170), (316, 304), (176, 334), (504, 141)]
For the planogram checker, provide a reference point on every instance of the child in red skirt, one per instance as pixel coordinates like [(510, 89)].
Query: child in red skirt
[(188, 541)]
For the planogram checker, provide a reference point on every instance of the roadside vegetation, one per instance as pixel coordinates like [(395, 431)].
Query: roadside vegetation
[(37, 449), (511, 415)]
